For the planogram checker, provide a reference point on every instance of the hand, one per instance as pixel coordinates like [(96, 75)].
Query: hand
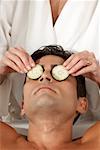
[(16, 60), (83, 63)]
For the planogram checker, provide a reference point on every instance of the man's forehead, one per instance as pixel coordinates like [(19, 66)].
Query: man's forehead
[(50, 60)]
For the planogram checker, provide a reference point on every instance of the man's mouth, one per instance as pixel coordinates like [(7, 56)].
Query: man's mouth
[(44, 88)]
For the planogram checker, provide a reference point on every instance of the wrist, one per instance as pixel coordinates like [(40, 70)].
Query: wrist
[(97, 76)]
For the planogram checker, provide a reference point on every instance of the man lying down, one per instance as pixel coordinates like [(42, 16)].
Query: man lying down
[(52, 100)]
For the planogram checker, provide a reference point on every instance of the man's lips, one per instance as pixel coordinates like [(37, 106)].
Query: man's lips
[(44, 88)]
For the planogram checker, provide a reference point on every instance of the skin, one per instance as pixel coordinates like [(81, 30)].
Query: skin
[(50, 108), (84, 63), (56, 7), (16, 60)]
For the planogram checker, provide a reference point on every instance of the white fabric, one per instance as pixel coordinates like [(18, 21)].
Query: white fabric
[(28, 23)]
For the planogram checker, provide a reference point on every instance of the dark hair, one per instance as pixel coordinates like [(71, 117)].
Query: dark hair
[(59, 51)]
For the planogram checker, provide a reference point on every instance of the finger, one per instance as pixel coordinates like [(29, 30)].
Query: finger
[(16, 60), (68, 60), (23, 56), (31, 61), (83, 71), (11, 64), (75, 58), (78, 66), (73, 62)]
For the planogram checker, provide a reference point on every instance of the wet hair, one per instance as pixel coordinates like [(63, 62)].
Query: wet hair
[(59, 51)]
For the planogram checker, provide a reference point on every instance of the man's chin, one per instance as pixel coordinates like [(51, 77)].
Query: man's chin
[(45, 105), (44, 101)]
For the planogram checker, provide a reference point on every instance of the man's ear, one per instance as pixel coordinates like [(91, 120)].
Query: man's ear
[(82, 105)]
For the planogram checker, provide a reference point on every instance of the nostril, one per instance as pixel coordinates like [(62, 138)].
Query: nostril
[(48, 79), (41, 79)]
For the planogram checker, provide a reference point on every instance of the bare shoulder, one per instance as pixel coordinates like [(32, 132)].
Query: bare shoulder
[(94, 127), (91, 139), (7, 133), (10, 139), (93, 132), (7, 130)]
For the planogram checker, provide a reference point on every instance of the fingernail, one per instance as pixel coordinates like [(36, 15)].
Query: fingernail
[(67, 67), (25, 70), (21, 72), (28, 67), (73, 74), (33, 64), (70, 71)]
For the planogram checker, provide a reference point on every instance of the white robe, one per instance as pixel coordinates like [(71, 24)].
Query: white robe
[(28, 23)]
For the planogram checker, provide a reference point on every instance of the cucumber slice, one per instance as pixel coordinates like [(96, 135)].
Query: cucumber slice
[(59, 73), (35, 72)]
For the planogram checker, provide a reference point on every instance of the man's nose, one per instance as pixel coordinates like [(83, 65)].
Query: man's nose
[(46, 77)]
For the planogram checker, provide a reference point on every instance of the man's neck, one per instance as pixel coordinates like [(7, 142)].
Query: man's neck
[(46, 135)]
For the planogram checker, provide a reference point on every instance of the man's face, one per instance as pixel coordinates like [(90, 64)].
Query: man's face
[(47, 98)]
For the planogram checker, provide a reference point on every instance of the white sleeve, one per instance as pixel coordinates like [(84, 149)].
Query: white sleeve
[(6, 19)]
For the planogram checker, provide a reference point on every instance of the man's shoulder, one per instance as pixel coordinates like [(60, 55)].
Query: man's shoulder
[(10, 139), (5, 129), (92, 132), (7, 133), (91, 138)]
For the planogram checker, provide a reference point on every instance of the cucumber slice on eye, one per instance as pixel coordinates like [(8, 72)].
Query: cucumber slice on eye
[(59, 73), (35, 72)]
